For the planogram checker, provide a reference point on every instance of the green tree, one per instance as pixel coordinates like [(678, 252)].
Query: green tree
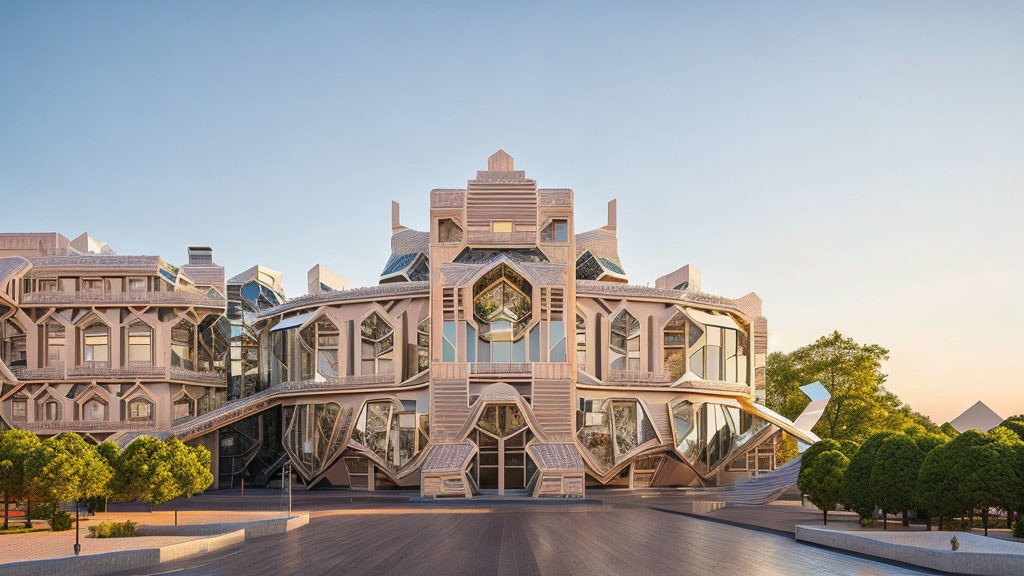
[(1015, 424), (824, 480), (16, 448), (66, 468), (985, 477), (936, 483), (807, 460), (111, 454), (145, 470), (894, 476), (949, 431), (852, 373), (856, 489), (849, 448), (190, 467)]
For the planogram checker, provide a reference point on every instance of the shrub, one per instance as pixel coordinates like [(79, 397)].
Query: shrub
[(124, 529), (42, 510), (60, 521), (1018, 528)]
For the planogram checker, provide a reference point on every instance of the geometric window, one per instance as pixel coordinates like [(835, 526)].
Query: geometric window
[(327, 348), (183, 408), (140, 410), (19, 409), (423, 346), (625, 343), (718, 353), (94, 410), (54, 344), (394, 435), (675, 345), (140, 345), (448, 231), (581, 342), (183, 340), (96, 345), (707, 434), (378, 346), (51, 411), (556, 231), (611, 429)]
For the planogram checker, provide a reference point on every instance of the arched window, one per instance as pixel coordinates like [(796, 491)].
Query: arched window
[(140, 345), (183, 344), (378, 346), (140, 409), (96, 345), (51, 410), (625, 343), (94, 410)]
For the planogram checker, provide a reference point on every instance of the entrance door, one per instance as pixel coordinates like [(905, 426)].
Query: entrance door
[(501, 436)]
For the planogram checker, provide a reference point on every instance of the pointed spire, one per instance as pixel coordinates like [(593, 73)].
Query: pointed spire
[(500, 161)]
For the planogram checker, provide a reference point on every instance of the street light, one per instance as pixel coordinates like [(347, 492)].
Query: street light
[(78, 547)]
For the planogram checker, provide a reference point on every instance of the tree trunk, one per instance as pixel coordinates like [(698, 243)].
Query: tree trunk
[(906, 519), (825, 518), (928, 521), (940, 522), (984, 519), (28, 513), (7, 510), (885, 520)]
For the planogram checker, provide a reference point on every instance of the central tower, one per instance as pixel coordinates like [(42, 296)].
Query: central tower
[(502, 288)]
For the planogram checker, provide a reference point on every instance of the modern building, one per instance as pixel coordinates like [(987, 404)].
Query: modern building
[(503, 350)]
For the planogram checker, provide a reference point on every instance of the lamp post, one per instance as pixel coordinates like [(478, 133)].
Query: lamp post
[(78, 546)]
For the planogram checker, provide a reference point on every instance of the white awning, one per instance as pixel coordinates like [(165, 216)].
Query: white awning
[(292, 322), (708, 319)]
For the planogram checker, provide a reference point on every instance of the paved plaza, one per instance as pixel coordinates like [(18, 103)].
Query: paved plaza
[(351, 533)]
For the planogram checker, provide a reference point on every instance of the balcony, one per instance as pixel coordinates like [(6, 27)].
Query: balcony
[(206, 377), (103, 370), (487, 238), (86, 426), (55, 372), (501, 368), (92, 297), (638, 378)]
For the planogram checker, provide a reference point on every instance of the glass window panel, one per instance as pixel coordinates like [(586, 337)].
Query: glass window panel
[(714, 362), (697, 363), (470, 343), (449, 338)]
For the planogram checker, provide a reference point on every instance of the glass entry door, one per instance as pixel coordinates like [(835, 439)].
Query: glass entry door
[(501, 436)]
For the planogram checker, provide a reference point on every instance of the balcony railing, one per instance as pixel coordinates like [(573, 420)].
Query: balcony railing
[(638, 377), (501, 368), (501, 238), (104, 370), (178, 373), (54, 372), (132, 371), (87, 425), (180, 296)]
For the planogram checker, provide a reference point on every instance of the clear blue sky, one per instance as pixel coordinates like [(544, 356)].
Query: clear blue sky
[(859, 165)]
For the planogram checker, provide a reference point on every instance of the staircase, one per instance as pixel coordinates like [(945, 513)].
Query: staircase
[(761, 490)]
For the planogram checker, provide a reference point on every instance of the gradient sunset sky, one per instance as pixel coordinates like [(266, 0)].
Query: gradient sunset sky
[(860, 166)]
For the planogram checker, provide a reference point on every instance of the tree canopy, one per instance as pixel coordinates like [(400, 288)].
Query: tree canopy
[(66, 468), (856, 489), (852, 374), (824, 480), (893, 479)]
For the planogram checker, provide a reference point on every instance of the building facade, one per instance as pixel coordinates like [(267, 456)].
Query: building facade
[(502, 350)]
